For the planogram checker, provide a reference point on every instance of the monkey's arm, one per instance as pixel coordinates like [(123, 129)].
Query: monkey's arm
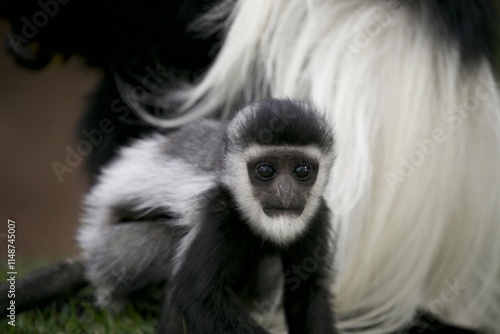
[(307, 265), (202, 300)]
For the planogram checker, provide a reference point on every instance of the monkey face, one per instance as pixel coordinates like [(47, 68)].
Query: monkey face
[(282, 182), (277, 188)]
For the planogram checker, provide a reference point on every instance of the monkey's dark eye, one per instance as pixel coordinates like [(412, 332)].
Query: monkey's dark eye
[(302, 171), (265, 171)]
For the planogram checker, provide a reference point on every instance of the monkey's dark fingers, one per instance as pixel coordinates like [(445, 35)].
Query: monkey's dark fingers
[(43, 285)]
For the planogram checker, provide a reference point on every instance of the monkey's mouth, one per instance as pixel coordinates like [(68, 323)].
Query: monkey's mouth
[(276, 211)]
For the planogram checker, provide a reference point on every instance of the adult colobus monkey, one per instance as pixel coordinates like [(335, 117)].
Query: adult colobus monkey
[(411, 87)]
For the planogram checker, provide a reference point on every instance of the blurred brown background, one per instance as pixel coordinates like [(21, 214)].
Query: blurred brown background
[(39, 111)]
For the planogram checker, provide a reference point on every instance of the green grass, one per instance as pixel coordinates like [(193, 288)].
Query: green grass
[(78, 315)]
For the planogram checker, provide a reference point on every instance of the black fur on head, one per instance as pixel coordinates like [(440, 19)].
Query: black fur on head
[(279, 122)]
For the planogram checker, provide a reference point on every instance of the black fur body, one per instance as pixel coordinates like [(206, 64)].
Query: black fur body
[(224, 258)]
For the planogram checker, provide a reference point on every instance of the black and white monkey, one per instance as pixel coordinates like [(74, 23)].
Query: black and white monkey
[(228, 203), (224, 216), (412, 88)]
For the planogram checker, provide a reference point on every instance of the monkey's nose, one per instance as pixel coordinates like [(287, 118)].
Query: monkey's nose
[(285, 188), (285, 193)]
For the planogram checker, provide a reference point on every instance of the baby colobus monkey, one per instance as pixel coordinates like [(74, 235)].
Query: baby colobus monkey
[(267, 200), (223, 216)]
